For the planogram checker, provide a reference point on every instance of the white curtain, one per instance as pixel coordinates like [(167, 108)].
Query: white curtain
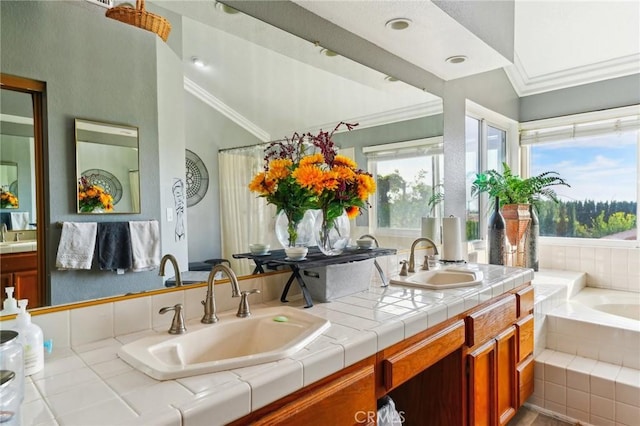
[(245, 218)]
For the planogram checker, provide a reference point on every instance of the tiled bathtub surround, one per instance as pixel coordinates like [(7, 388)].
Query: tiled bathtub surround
[(85, 383), (590, 369), (606, 267)]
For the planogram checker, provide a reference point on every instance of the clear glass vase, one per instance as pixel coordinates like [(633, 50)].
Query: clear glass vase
[(332, 236), (295, 234)]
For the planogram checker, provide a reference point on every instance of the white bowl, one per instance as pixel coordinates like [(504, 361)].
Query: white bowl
[(364, 243), (259, 248), (296, 253)]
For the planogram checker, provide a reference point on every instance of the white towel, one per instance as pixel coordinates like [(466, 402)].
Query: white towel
[(77, 244), (145, 245), (19, 220)]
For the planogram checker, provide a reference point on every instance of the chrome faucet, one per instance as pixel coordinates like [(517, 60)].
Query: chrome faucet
[(412, 261), (176, 268), (209, 302)]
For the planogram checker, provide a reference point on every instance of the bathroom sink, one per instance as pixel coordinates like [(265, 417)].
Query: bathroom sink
[(269, 334), (441, 278)]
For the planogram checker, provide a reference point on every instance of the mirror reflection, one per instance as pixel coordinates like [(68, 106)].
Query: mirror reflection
[(107, 167), (9, 185)]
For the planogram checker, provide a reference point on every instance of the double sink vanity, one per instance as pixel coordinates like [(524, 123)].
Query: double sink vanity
[(458, 355)]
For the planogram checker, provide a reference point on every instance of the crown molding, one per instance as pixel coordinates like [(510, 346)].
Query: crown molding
[(526, 85), (215, 103), (387, 117), (8, 118)]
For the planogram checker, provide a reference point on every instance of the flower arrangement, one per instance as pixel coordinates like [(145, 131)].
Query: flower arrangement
[(295, 181), (92, 197), (8, 200)]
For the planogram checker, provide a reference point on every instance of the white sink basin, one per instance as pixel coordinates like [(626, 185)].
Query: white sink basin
[(269, 334), (441, 278)]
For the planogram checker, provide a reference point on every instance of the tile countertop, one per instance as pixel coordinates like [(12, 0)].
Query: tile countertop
[(89, 385)]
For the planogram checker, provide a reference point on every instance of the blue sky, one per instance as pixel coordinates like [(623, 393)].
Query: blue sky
[(597, 168)]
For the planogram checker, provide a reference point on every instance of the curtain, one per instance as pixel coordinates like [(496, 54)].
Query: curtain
[(134, 187), (245, 218)]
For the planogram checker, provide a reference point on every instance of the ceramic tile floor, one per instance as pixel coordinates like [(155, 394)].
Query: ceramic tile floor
[(528, 417)]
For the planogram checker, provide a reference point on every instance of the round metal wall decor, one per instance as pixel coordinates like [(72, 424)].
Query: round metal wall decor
[(106, 181), (197, 178)]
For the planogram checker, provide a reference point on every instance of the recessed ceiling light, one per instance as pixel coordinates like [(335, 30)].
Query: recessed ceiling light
[(390, 79), (458, 59), (198, 62), (226, 9), (398, 24), (327, 52)]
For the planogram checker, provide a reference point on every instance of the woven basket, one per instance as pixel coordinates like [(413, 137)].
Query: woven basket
[(140, 18)]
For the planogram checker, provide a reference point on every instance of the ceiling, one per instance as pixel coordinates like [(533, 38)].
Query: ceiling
[(254, 72), (557, 43)]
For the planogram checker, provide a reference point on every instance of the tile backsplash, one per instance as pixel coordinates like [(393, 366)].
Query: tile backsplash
[(606, 267)]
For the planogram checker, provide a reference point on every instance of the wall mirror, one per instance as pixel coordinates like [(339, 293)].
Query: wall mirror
[(107, 167), (22, 174)]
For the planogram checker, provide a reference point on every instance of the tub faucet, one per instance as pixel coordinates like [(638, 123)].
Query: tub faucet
[(209, 302), (176, 268), (412, 261)]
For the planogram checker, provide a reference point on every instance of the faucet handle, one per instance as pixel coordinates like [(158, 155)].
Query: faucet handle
[(243, 308), (403, 270), (177, 324)]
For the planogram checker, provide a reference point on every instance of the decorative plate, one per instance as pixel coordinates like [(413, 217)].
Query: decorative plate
[(197, 178), (106, 180)]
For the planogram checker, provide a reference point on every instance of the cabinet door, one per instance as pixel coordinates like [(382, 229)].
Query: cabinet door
[(506, 345), (6, 280), (482, 382), (348, 400), (26, 283)]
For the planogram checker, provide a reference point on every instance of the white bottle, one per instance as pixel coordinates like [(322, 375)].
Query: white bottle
[(30, 336), (10, 305)]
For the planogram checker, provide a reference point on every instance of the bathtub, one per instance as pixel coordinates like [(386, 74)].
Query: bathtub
[(608, 307), (597, 323)]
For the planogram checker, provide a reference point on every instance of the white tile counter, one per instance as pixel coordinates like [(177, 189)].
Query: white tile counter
[(87, 384)]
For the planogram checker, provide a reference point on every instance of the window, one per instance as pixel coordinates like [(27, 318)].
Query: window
[(597, 154), (481, 138), (409, 177)]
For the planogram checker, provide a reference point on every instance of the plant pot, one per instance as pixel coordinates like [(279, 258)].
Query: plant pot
[(517, 219)]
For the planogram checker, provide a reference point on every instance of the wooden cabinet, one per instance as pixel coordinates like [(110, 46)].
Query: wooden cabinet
[(345, 398), (20, 270), (500, 340)]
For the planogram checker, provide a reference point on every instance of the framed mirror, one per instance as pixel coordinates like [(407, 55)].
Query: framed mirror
[(9, 185), (107, 167)]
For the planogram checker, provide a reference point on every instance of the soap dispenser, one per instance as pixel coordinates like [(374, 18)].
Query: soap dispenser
[(30, 336), (10, 305)]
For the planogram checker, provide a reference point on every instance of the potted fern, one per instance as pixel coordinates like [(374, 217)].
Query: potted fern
[(516, 197)]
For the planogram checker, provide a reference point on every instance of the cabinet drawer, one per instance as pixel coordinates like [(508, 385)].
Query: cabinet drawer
[(525, 337), (525, 301), (348, 400), (18, 262), (402, 366), (490, 321), (524, 373)]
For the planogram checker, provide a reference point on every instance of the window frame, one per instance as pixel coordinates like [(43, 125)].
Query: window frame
[(578, 119), (396, 146)]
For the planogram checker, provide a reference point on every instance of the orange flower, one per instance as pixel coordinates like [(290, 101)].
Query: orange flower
[(366, 186), (279, 168), (261, 184), (341, 160), (312, 159), (344, 173), (353, 211), (310, 177), (329, 181)]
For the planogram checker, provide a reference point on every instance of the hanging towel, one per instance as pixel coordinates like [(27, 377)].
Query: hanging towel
[(114, 246), (145, 245), (77, 244), (19, 220)]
